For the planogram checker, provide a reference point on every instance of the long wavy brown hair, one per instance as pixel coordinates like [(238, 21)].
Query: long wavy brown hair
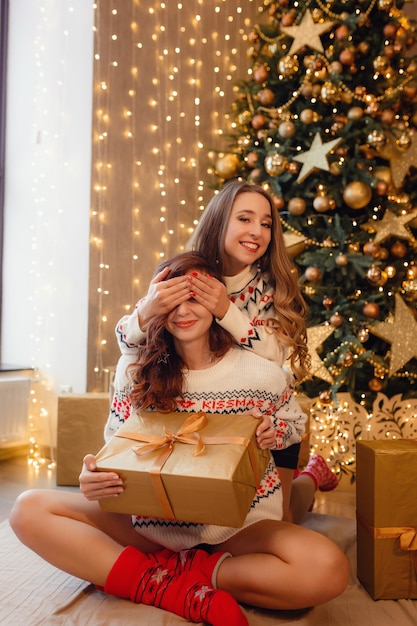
[(157, 378), (290, 307)]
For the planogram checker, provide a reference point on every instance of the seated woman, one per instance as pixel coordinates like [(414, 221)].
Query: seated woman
[(186, 360)]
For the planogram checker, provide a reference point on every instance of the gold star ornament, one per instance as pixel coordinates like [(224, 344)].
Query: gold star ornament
[(391, 225), (315, 158), (294, 244), (400, 333), (400, 160), (307, 33), (315, 337)]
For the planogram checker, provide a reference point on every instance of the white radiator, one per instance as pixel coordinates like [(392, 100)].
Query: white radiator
[(14, 410)]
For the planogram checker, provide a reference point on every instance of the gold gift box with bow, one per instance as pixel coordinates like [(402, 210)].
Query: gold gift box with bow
[(191, 467), (386, 503)]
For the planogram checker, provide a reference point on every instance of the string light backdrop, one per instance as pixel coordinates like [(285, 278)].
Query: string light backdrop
[(163, 84)]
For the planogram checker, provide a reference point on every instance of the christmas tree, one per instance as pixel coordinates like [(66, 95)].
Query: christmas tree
[(327, 121)]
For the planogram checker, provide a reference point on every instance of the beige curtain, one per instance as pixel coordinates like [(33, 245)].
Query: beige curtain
[(163, 84)]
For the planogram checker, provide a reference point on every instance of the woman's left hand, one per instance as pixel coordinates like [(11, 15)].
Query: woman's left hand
[(265, 433), (95, 485), (211, 293)]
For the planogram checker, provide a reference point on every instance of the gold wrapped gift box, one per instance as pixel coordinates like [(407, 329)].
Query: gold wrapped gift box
[(386, 501), (192, 467), (81, 421)]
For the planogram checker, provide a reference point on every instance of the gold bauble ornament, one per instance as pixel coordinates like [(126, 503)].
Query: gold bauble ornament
[(286, 129), (260, 74), (275, 164), (341, 260), (357, 194), (252, 158), (312, 274), (374, 274), (381, 64), (399, 250), (296, 206), (307, 116), (403, 142), (258, 121), (306, 89), (375, 384), (288, 66), (387, 116), (371, 249), (355, 113), (321, 204), (336, 67), (390, 271), (329, 92), (377, 139), (347, 359), (347, 56), (336, 320), (279, 201), (328, 302), (227, 166), (371, 310), (410, 290), (266, 96)]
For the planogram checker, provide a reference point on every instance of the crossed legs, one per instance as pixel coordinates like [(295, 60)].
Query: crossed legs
[(276, 565)]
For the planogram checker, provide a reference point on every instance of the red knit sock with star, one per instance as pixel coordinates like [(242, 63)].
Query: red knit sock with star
[(189, 594), (320, 472)]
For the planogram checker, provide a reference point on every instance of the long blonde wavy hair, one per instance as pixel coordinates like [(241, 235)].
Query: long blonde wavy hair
[(291, 310)]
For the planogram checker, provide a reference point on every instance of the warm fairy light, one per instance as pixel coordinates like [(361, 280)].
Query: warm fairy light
[(183, 61)]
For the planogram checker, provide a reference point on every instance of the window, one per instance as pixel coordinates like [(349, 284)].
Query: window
[(4, 6)]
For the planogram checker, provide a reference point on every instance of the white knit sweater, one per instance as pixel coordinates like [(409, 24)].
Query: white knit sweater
[(240, 381)]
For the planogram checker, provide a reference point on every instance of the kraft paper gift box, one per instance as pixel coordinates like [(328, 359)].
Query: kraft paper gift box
[(177, 480), (386, 501), (80, 430)]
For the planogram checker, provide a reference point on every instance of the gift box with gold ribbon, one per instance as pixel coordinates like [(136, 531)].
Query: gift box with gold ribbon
[(386, 502), (191, 467)]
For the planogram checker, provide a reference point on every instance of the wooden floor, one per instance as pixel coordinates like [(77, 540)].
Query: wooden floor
[(16, 475)]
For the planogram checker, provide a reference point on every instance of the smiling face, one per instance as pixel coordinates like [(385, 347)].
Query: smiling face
[(248, 232)]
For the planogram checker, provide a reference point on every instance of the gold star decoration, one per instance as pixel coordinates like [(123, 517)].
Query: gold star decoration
[(315, 157), (401, 333), (400, 160), (315, 337), (391, 225), (294, 244), (307, 33)]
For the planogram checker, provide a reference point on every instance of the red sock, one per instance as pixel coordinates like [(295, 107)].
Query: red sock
[(189, 594), (194, 559), (323, 477)]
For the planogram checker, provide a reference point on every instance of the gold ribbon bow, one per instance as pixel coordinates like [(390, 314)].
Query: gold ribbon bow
[(406, 534), (187, 433)]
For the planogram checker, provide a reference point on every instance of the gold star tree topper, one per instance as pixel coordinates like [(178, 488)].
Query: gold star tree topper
[(401, 334), (307, 33), (315, 158), (391, 225), (315, 337)]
